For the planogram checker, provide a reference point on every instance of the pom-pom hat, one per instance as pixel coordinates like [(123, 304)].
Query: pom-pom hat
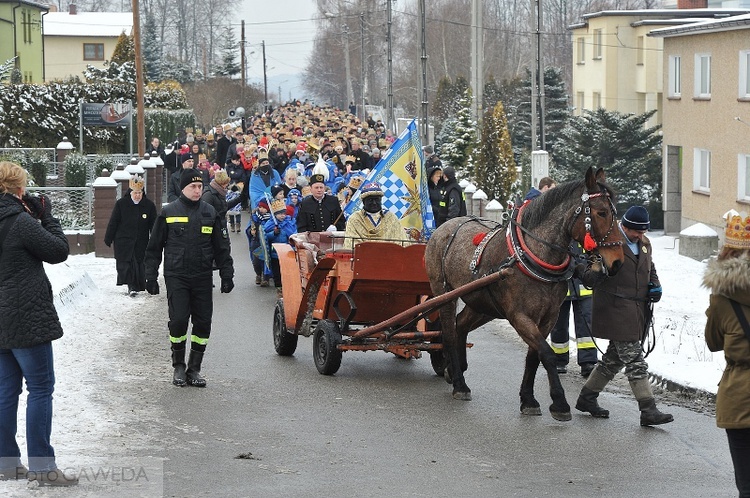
[(737, 233), (369, 189), (636, 218), (189, 176)]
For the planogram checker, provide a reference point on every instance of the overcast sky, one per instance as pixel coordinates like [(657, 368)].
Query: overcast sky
[(288, 31)]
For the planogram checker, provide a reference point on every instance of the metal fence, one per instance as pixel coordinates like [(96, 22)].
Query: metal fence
[(73, 206)]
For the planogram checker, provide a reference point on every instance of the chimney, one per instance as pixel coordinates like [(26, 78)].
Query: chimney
[(692, 4), (72, 10)]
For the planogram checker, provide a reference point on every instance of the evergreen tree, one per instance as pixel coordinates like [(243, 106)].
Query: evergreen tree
[(629, 152), (493, 94), (152, 50), (124, 50), (6, 68), (174, 70), (495, 168), (228, 65), (456, 148), (448, 99)]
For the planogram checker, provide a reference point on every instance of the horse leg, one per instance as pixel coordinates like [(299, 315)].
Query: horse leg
[(454, 351), (559, 409), (466, 321), (529, 404)]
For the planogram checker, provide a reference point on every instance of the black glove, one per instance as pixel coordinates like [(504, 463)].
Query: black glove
[(152, 287), (40, 207), (227, 284), (654, 292), (276, 230)]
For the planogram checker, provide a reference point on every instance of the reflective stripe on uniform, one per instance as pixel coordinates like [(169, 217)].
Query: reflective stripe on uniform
[(199, 340), (585, 343), (442, 203), (583, 291), (177, 219), (207, 229), (177, 340), (559, 348)]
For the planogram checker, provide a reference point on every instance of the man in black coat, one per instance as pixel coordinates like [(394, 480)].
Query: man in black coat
[(173, 190), (190, 234), (453, 203), (319, 212), (129, 227)]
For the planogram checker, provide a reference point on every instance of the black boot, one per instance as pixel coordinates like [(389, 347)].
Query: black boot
[(194, 370), (587, 403), (650, 414), (178, 362)]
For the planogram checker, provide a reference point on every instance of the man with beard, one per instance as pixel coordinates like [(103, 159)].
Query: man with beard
[(372, 222)]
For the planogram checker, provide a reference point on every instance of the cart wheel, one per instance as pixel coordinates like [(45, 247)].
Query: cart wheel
[(283, 342), (438, 362), (325, 353)]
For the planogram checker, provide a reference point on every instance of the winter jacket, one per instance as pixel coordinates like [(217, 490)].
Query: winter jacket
[(129, 227), (452, 203), (619, 311), (287, 228), (28, 313), (260, 184), (218, 200), (730, 279), (314, 216), (192, 237)]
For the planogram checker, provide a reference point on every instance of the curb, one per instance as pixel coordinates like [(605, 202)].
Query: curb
[(679, 389)]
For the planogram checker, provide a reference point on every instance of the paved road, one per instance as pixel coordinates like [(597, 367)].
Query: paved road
[(383, 426)]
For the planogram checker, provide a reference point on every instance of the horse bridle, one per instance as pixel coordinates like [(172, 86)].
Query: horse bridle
[(589, 242)]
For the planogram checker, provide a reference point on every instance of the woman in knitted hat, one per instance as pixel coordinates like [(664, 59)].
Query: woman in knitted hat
[(216, 195), (129, 228), (372, 222), (727, 329)]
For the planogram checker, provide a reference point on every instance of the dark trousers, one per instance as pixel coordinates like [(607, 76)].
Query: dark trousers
[(190, 299), (276, 271), (739, 448), (560, 335)]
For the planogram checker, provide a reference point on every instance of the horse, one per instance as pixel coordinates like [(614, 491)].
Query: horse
[(533, 263)]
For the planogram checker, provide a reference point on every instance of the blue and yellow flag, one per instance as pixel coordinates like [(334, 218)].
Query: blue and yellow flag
[(402, 176)]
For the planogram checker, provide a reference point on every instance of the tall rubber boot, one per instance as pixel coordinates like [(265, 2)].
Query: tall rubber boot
[(650, 415), (596, 382), (178, 363), (194, 370)]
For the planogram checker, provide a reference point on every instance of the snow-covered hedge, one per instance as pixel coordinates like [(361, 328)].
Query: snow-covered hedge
[(40, 115)]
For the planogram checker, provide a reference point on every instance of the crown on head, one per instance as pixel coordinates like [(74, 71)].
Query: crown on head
[(737, 233), (350, 159), (136, 183), (278, 205)]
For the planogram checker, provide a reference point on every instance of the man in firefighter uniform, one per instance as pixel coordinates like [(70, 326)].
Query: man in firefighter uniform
[(578, 298), (192, 237), (319, 212)]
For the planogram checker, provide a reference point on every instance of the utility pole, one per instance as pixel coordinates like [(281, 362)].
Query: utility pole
[(477, 61), (362, 112), (424, 125), (139, 80), (242, 57), (540, 75), (537, 77), (265, 79), (533, 66), (391, 119), (348, 66)]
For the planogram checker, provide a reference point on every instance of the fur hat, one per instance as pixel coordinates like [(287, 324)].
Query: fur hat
[(369, 189), (737, 233), (221, 177), (278, 206), (136, 183), (635, 218), (189, 176)]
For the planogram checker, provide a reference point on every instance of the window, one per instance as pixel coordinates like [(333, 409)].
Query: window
[(581, 50), (703, 76), (701, 170), (743, 177), (597, 100), (597, 44), (639, 51), (579, 103), (26, 24), (744, 78), (93, 51), (675, 83)]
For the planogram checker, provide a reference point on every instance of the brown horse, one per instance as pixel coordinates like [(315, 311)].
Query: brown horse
[(534, 264)]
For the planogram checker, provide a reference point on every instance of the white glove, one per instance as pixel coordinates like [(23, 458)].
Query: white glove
[(331, 228)]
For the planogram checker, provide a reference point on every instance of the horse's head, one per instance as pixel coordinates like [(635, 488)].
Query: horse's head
[(595, 225)]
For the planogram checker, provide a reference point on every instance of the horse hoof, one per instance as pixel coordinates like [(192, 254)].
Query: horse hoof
[(561, 416), (531, 410), (463, 396)]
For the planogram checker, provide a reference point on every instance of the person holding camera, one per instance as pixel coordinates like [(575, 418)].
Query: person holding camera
[(621, 313), (29, 236), (192, 237)]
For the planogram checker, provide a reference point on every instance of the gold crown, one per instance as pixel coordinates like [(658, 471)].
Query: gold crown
[(136, 183), (278, 205), (737, 234), (355, 182), (350, 159), (262, 154)]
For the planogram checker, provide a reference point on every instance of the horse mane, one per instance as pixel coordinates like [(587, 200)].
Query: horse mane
[(538, 210)]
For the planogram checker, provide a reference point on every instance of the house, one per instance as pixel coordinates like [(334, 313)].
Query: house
[(73, 40), (21, 37), (617, 66), (706, 121)]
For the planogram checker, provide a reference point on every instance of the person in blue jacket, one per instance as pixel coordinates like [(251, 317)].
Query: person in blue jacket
[(277, 230), (261, 181)]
